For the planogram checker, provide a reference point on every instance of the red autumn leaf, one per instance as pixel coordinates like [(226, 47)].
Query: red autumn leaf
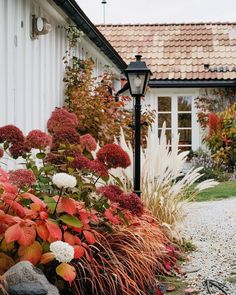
[(69, 238), (46, 258), (31, 253), (113, 219), (77, 240), (42, 230), (167, 264), (9, 200), (66, 271), (67, 205), (79, 251), (89, 237), (34, 199), (55, 233), (9, 188)]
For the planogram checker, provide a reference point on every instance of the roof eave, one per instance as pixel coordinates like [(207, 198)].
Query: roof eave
[(76, 14), (191, 83)]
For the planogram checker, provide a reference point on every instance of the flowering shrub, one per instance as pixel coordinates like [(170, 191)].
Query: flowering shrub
[(221, 138), (57, 215)]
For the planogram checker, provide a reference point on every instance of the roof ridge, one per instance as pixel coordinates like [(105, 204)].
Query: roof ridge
[(166, 24)]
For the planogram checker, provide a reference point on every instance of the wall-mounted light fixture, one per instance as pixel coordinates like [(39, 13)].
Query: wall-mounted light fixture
[(40, 26)]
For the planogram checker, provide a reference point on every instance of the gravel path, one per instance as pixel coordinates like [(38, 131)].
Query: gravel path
[(212, 228)]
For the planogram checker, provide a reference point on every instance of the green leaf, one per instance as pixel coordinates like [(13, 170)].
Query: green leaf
[(44, 179), (40, 155), (70, 159), (51, 203), (117, 179), (70, 170), (71, 220)]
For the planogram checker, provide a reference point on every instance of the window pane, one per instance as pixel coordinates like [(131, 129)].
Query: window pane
[(185, 120), (184, 103), (185, 137), (168, 134), (162, 118), (164, 104), (185, 148)]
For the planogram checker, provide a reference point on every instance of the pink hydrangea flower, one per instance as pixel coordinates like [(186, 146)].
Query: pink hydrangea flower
[(22, 177), (113, 156), (38, 140), (88, 142), (11, 134), (65, 135), (61, 118)]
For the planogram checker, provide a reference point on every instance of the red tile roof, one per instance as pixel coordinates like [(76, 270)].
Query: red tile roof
[(178, 51)]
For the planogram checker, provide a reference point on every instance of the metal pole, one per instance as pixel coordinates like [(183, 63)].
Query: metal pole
[(137, 145)]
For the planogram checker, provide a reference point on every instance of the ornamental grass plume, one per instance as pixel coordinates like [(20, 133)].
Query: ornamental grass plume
[(129, 257), (113, 156), (22, 178), (38, 140), (166, 186), (61, 118)]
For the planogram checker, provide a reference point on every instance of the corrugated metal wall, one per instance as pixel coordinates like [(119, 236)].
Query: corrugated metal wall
[(31, 71)]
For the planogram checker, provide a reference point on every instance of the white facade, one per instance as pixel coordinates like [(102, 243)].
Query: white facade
[(31, 70)]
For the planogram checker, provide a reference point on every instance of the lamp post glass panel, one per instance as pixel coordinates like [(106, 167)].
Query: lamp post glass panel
[(138, 75)]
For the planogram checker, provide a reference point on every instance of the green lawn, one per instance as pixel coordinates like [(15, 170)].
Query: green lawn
[(221, 191)]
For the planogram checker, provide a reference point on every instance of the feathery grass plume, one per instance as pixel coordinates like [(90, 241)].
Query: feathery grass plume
[(166, 185), (124, 262), (3, 286)]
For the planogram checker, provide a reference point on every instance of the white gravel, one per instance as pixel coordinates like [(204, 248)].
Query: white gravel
[(212, 228)]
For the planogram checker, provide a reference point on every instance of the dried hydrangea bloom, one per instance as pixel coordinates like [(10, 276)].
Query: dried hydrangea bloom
[(62, 251), (18, 149), (88, 142), (111, 191), (65, 136), (113, 156), (22, 177), (11, 134), (61, 118), (64, 180), (38, 140), (99, 168), (1, 153), (80, 162), (132, 202)]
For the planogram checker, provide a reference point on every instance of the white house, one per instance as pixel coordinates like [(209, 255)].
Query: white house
[(31, 66), (184, 59)]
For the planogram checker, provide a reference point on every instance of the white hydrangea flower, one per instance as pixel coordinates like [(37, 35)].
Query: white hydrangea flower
[(62, 251), (64, 180)]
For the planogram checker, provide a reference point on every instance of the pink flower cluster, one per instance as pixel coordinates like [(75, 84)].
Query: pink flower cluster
[(81, 162), (11, 134), (129, 201), (113, 156), (61, 118), (88, 142), (14, 137), (38, 140), (22, 177), (65, 135)]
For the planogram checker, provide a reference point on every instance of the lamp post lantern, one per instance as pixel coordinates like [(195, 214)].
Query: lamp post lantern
[(138, 75)]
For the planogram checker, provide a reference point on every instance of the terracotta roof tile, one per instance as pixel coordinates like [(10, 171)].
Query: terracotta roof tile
[(178, 51)]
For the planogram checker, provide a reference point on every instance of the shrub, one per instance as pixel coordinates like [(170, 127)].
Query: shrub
[(55, 214)]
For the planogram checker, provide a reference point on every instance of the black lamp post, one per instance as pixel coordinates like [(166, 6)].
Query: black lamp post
[(138, 75)]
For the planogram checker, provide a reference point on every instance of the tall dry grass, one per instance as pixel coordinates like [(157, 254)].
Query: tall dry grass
[(124, 262), (166, 184)]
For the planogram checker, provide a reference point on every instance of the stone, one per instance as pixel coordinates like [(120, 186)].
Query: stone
[(28, 289), (25, 275), (191, 291)]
